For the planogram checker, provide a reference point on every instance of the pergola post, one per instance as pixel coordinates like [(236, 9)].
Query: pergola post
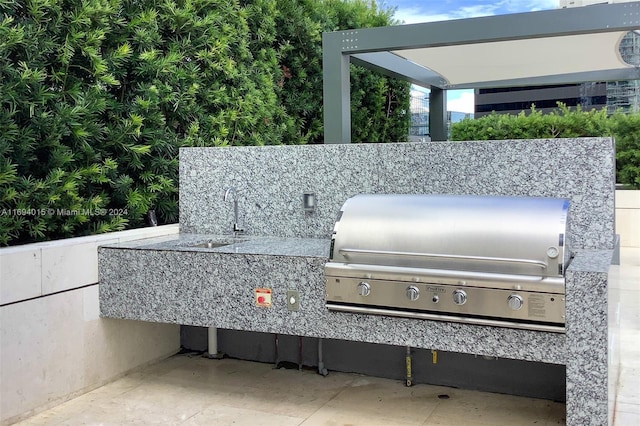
[(438, 114), (336, 89)]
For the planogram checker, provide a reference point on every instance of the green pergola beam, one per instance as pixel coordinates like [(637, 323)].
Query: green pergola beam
[(517, 26), (394, 66), (572, 78)]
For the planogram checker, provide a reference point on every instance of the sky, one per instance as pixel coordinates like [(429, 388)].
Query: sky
[(415, 11)]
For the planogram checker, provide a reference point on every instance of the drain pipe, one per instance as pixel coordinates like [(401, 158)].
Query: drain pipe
[(212, 349), (407, 362), (321, 369)]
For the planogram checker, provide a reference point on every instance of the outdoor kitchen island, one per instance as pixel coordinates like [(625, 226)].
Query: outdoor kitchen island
[(285, 248)]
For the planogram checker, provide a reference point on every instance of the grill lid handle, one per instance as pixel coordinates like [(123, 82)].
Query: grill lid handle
[(539, 263)]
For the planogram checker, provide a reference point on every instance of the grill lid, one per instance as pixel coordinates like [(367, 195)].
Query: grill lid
[(494, 234)]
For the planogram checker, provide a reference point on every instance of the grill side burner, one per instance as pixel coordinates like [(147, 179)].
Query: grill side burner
[(474, 259)]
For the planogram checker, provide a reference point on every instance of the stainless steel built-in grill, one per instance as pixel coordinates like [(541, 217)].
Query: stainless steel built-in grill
[(473, 259)]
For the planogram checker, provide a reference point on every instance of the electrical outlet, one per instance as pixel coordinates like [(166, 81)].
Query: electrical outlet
[(293, 301)]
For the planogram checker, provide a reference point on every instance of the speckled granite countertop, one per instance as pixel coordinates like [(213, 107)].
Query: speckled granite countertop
[(241, 244), (168, 279)]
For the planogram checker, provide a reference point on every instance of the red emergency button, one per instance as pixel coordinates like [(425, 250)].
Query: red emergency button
[(263, 297)]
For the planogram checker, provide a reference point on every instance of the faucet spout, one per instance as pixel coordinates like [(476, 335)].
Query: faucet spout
[(228, 192), (236, 226)]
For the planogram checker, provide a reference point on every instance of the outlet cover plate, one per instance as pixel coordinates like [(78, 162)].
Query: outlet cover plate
[(293, 300)]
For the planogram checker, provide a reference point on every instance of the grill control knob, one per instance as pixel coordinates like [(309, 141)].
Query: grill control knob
[(364, 289), (413, 293), (515, 302), (459, 297)]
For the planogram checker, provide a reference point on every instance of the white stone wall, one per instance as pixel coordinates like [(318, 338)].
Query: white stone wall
[(53, 344)]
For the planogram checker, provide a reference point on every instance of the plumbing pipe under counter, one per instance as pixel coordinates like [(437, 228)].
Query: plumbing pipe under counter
[(212, 343)]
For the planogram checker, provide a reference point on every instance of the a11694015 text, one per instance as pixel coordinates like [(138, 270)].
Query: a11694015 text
[(63, 212)]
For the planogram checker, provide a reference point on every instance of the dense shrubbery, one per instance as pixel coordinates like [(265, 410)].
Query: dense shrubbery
[(380, 105), (563, 123), (97, 96), (626, 130)]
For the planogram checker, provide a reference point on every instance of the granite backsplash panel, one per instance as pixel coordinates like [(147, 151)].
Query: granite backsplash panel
[(271, 180)]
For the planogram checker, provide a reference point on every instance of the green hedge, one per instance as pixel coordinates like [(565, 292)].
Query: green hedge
[(563, 123), (379, 104), (96, 97)]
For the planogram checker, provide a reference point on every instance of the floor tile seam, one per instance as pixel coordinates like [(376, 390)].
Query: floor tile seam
[(336, 392), (624, 274), (262, 410), (631, 290), (388, 419), (63, 403), (205, 399), (630, 356), (428, 420), (117, 394), (30, 421), (234, 407), (197, 380), (617, 392), (623, 408), (58, 411), (634, 329), (345, 387), (190, 417), (225, 383), (254, 409), (627, 381), (628, 352), (425, 422), (628, 399)]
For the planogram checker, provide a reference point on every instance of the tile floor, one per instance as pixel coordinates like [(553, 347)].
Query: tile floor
[(191, 390), (624, 339)]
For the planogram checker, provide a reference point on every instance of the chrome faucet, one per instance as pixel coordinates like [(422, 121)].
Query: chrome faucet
[(236, 227)]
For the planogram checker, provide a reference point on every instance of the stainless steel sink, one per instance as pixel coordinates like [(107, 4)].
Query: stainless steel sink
[(210, 244), (215, 243)]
